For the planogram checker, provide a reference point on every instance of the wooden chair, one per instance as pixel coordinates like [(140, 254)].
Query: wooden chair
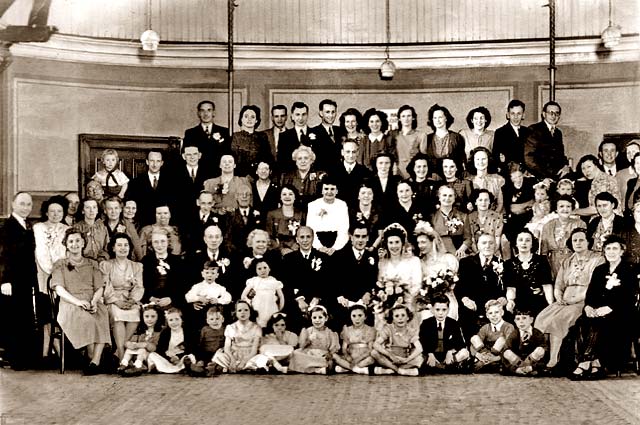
[(56, 330)]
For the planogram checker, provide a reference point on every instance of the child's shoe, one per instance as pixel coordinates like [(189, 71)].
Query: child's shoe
[(340, 369), (383, 371), (411, 371), (360, 370), (321, 370), (524, 370)]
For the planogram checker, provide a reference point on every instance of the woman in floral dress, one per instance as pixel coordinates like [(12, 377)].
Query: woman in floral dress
[(554, 235)]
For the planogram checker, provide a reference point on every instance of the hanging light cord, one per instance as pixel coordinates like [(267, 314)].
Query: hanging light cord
[(386, 49)]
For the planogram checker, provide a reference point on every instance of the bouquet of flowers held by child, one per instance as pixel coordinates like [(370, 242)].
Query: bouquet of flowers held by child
[(388, 292)]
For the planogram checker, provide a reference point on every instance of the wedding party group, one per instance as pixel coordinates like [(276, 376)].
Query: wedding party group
[(362, 245)]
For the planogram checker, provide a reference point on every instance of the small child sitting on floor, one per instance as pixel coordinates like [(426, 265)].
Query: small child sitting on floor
[(442, 340), (525, 347), (211, 340), (488, 344)]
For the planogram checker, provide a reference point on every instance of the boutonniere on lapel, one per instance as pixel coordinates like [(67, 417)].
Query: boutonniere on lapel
[(316, 264), (256, 213), (312, 136), (120, 228), (223, 263), (322, 212), (162, 267), (372, 261), (498, 269), (312, 176), (612, 281), (215, 219), (218, 137), (417, 217)]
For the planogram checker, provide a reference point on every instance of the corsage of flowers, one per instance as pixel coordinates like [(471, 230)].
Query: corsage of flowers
[(612, 281), (218, 137), (417, 217), (454, 224), (163, 266), (293, 226), (372, 261), (322, 212)]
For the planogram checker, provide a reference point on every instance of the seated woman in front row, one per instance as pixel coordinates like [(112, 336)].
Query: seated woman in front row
[(82, 315)]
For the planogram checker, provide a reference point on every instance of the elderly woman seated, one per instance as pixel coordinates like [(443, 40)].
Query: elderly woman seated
[(82, 315), (604, 339)]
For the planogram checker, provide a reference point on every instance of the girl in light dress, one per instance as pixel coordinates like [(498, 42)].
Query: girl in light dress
[(541, 208), (397, 348), (241, 342), (173, 345), (276, 345), (357, 343), (264, 292), (143, 342), (318, 344)]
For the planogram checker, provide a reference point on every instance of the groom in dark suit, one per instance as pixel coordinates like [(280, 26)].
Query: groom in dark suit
[(354, 271), (18, 283), (212, 140)]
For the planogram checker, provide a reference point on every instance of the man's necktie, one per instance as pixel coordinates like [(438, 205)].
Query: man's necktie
[(525, 336), (207, 131), (193, 175), (359, 256), (244, 216), (331, 134), (301, 135), (155, 182)]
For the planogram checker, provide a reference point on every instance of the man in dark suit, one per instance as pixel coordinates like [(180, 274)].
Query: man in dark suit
[(480, 281), (354, 271), (279, 120), (151, 189), (544, 149), (509, 140), (212, 140), (193, 227), (188, 177), (18, 284), (214, 250), (328, 137), (349, 174), (305, 279), (242, 221), (294, 137)]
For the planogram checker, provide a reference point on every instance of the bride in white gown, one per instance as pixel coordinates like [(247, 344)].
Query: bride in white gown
[(434, 260)]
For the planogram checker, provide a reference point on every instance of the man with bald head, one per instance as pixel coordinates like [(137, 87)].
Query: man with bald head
[(18, 284)]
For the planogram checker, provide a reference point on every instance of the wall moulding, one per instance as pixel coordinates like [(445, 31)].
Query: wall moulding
[(298, 57)]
